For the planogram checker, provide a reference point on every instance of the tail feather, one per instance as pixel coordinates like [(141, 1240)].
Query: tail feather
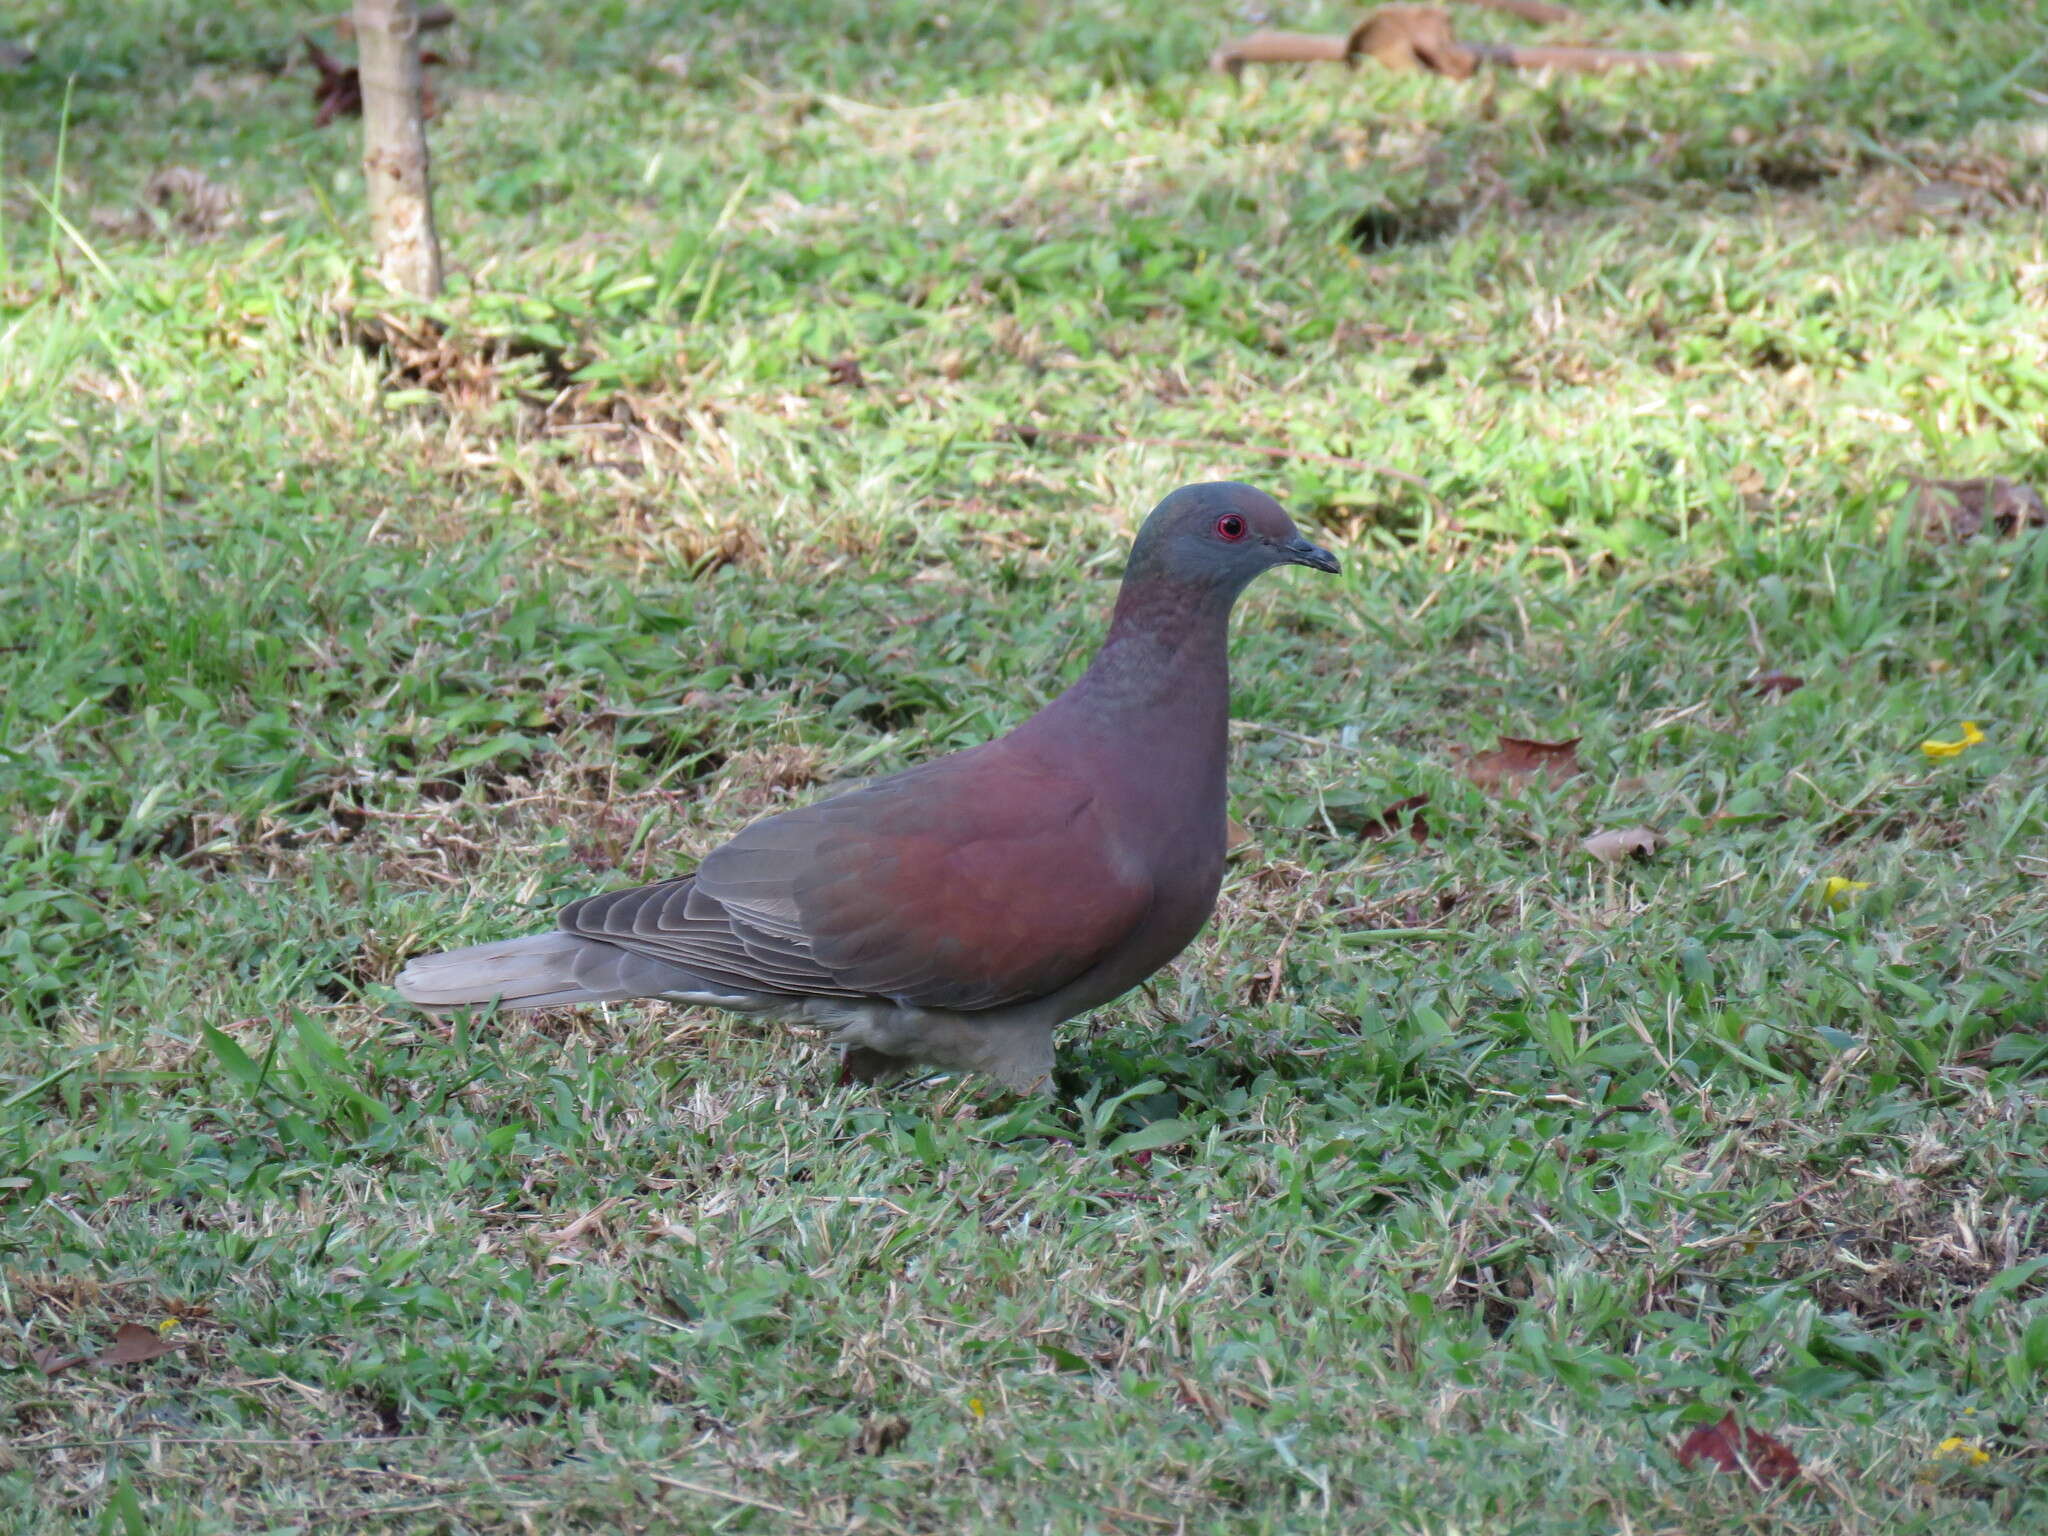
[(538, 970)]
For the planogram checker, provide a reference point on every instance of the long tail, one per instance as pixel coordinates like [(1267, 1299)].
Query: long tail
[(540, 970)]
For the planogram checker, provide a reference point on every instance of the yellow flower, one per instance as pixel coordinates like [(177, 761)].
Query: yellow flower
[(1956, 1448), (1937, 750), (975, 1407), (1837, 891)]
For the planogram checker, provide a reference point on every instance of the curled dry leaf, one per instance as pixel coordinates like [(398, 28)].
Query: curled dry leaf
[(339, 90), (1621, 843), (1954, 510), (1236, 838), (1412, 37), (1388, 823), (1773, 684), (1734, 1447), (1516, 760), (878, 1435)]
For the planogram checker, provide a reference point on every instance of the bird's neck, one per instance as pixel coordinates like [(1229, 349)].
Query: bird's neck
[(1161, 681)]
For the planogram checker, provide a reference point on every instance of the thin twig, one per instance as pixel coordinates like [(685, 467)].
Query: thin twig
[(709, 1492), (116, 1441)]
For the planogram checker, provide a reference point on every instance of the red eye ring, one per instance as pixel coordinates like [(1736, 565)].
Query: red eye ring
[(1230, 527)]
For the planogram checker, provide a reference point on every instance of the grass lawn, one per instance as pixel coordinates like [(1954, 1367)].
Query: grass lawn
[(804, 372)]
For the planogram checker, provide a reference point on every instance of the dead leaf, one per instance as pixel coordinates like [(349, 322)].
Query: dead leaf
[(133, 1344), (1387, 824), (1955, 510), (877, 1436), (846, 371), (1516, 760), (1773, 684), (339, 90), (1412, 37), (50, 1363), (1621, 844), (1236, 837), (1734, 1448)]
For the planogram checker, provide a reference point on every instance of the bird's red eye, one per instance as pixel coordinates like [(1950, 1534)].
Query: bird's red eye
[(1230, 526)]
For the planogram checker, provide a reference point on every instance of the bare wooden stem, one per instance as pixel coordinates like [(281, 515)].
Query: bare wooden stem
[(395, 147)]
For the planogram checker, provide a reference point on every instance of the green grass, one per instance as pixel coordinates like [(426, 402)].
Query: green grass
[(1436, 1189)]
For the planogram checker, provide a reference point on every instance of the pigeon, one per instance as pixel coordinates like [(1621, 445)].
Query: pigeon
[(951, 916)]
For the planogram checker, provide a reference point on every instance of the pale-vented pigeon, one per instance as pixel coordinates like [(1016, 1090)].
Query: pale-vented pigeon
[(953, 914)]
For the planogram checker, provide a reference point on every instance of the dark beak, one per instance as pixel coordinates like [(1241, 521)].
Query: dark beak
[(1299, 551)]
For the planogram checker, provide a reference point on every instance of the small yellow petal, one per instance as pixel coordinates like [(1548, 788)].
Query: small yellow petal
[(1937, 750), (976, 1407), (1956, 1448), (1837, 891)]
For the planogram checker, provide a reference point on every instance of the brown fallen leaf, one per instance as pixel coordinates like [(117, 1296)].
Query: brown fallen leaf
[(133, 1344), (1516, 760), (1412, 37), (1621, 843), (1395, 36), (1732, 1447), (1773, 684), (877, 1436), (1236, 838), (1387, 824), (339, 90), (846, 371), (50, 1363), (1961, 509)]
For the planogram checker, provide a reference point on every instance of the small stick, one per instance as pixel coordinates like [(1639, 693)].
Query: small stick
[(1281, 48)]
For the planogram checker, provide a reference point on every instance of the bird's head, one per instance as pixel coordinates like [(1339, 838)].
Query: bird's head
[(1220, 535)]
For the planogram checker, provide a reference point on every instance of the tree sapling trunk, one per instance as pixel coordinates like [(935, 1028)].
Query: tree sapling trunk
[(395, 147)]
